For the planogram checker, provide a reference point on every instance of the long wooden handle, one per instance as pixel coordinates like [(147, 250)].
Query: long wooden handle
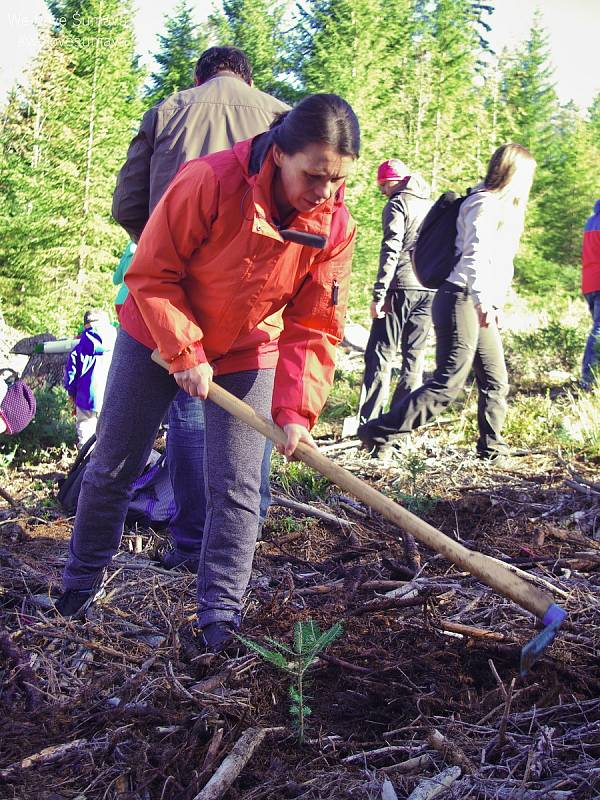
[(506, 580)]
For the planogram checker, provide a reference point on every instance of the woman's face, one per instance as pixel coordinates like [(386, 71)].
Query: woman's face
[(309, 177)]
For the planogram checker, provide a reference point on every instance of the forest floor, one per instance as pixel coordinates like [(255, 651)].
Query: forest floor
[(424, 682)]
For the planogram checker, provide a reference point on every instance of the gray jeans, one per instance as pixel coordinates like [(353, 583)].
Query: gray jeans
[(138, 394), (461, 344)]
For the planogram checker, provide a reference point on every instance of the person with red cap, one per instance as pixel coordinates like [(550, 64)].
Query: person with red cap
[(401, 307), (467, 312)]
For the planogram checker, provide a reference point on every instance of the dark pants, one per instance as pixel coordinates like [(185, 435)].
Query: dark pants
[(404, 328), (138, 394), (461, 344)]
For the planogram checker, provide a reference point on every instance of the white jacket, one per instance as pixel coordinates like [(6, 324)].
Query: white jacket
[(488, 230)]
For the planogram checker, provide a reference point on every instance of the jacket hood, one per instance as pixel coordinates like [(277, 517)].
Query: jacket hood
[(417, 185), (597, 207), (97, 340), (252, 153)]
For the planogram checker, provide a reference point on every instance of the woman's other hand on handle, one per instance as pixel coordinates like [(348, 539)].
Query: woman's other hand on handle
[(295, 434)]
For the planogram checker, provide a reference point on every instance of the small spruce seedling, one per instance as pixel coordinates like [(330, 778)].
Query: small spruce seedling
[(309, 641)]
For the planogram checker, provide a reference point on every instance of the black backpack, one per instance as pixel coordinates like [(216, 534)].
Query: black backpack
[(433, 256), (152, 503)]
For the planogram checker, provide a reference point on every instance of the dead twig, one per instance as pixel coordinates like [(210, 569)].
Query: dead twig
[(235, 762), (585, 489), (469, 630), (411, 552), (432, 787), (393, 602), (309, 511), (365, 756), (9, 498), (450, 751), (505, 715), (50, 755)]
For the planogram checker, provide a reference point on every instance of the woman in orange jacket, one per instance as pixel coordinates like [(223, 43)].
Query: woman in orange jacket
[(241, 276)]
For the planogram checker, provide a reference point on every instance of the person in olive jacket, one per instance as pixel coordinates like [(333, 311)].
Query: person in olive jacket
[(401, 307), (222, 108)]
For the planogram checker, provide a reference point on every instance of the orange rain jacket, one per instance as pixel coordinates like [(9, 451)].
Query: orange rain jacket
[(213, 280)]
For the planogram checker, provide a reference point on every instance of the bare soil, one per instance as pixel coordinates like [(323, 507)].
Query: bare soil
[(416, 684)]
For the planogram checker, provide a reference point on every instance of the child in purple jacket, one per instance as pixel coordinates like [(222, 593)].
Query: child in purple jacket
[(87, 369)]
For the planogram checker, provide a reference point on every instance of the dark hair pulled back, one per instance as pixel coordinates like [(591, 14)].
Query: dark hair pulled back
[(323, 118)]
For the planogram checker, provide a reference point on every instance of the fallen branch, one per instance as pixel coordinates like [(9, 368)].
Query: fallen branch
[(346, 444), (108, 651), (579, 478), (450, 751), (339, 662), (309, 511), (369, 754), (334, 586), (418, 762), (582, 488), (469, 630), (8, 497), (235, 762), (213, 749), (433, 787), (392, 602), (49, 755)]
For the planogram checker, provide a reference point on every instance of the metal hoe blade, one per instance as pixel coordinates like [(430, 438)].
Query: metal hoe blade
[(553, 619)]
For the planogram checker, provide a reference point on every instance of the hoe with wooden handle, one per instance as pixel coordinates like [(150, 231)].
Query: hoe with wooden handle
[(506, 580)]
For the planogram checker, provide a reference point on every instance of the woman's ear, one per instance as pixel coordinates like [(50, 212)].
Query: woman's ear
[(278, 155)]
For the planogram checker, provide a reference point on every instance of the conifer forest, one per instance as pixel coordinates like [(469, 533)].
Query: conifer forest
[(372, 664)]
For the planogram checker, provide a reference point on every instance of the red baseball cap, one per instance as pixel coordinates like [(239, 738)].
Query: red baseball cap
[(392, 170)]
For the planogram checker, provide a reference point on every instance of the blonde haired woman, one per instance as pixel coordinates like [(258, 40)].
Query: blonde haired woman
[(467, 310)]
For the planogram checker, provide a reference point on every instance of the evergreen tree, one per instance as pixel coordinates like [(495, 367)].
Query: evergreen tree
[(529, 115), (180, 49), (76, 125), (417, 72), (342, 46), (571, 191), (407, 67), (528, 94), (255, 27), (594, 116), (454, 117)]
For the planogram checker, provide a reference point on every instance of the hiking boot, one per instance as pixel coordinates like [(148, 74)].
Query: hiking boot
[(177, 560), (214, 638), (379, 451), (363, 434), (73, 603), (219, 637), (495, 459)]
